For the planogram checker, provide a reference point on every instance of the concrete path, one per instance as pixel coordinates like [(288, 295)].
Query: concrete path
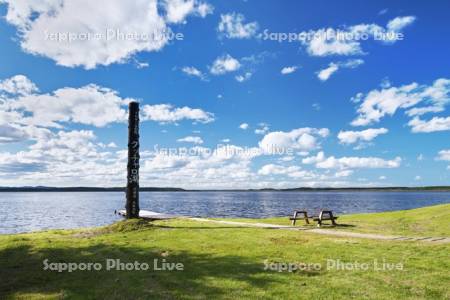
[(436, 240)]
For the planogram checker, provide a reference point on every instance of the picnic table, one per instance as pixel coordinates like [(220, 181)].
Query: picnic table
[(324, 215)]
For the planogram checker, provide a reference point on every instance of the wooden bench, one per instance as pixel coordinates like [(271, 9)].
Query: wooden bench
[(324, 215), (295, 217)]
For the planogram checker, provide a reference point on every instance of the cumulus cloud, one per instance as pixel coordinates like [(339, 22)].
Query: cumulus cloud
[(244, 126), (289, 70), (272, 169), (178, 10), (327, 41), (89, 105), (244, 77), (62, 158), (343, 173), (18, 85), (224, 64), (192, 71), (445, 156), (327, 72), (332, 68), (351, 137), (397, 24), (191, 139), (232, 26), (435, 124), (25, 114), (97, 28), (166, 113), (331, 162), (11, 133), (226, 166), (378, 103), (263, 128), (301, 139)]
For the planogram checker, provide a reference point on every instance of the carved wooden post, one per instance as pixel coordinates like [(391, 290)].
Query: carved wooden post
[(132, 205)]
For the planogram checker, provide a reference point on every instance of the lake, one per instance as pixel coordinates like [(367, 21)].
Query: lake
[(31, 211)]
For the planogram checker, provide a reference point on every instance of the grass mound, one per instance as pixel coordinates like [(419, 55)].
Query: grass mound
[(129, 225)]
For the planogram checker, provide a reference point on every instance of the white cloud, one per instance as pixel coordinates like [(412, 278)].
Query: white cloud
[(243, 126), (343, 173), (435, 124), (327, 41), (166, 113), (323, 162), (327, 72), (62, 158), (263, 128), (89, 105), (178, 10), (241, 78), (232, 26), (417, 178), (192, 71), (419, 111), (142, 65), (316, 106), (444, 155), (351, 63), (272, 169), (385, 83), (379, 103), (303, 139), (18, 85), (191, 139), (314, 159), (44, 26), (334, 67), (226, 166), (224, 64), (351, 137), (27, 116), (383, 11), (382, 178), (289, 70), (399, 23), (11, 133), (287, 158), (358, 162)]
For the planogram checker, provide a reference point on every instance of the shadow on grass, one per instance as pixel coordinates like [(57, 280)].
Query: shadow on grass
[(204, 276)]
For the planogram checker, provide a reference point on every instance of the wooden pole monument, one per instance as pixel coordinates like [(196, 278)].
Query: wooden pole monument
[(132, 193)]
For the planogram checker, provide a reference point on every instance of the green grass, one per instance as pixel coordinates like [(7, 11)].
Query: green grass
[(427, 221), (223, 262)]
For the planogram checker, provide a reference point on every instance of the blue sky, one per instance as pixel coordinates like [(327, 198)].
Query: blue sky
[(349, 112)]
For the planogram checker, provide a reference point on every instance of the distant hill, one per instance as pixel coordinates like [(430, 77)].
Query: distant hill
[(172, 189)]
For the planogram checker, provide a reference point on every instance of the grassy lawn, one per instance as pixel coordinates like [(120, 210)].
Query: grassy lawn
[(426, 221), (225, 262)]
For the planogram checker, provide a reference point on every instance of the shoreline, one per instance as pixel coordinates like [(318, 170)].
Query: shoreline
[(279, 220)]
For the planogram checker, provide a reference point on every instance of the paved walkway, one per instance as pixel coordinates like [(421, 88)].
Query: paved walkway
[(339, 233)]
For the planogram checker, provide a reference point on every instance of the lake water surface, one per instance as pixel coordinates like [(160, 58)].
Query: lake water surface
[(31, 211)]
